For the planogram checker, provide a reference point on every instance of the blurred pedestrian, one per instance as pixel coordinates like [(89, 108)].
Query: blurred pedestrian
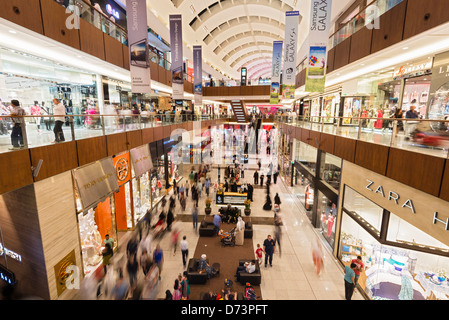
[(120, 291), (317, 256), (132, 267), (158, 259), (195, 217), (185, 287)]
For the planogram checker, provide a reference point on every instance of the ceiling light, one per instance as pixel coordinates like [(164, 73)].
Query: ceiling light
[(405, 48), (12, 31)]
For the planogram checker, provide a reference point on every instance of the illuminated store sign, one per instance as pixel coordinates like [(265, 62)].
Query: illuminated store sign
[(391, 196), (112, 11), (7, 276), (10, 253), (413, 70)]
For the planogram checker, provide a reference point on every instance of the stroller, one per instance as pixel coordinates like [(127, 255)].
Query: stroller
[(227, 238), (250, 293)]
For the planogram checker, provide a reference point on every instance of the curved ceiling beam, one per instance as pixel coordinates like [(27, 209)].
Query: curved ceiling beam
[(256, 64), (257, 73), (223, 5), (268, 23), (246, 37), (231, 56), (256, 68), (261, 57), (268, 53)]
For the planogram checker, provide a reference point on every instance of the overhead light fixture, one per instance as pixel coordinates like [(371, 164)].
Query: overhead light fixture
[(405, 48), (12, 31)]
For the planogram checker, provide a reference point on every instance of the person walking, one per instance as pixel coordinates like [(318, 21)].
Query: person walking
[(217, 223), (277, 234), (349, 281), (132, 267), (184, 246), (185, 286), (195, 217), (17, 119), (269, 248), (256, 177), (59, 112), (207, 186), (158, 259)]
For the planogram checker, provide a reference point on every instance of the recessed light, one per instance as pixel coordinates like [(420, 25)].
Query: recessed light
[(405, 48)]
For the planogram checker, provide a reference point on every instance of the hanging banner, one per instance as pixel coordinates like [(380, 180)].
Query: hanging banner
[(318, 40), (198, 72), (276, 72), (290, 51), (177, 56), (139, 54)]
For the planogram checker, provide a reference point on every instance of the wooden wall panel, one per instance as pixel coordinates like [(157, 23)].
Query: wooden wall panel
[(91, 40), (91, 149), (423, 15), (147, 135), (315, 138), (327, 142), (162, 76), (330, 60), (57, 158), (113, 50), (391, 28), (166, 131), (345, 148), (58, 225), (116, 143), (54, 21), (234, 91), (360, 44), (15, 171), (168, 77), (261, 90), (21, 234), (125, 50), (342, 51), (298, 132), (26, 13), (246, 90), (305, 134), (417, 170), (372, 156), (154, 72), (134, 139), (444, 192), (158, 133)]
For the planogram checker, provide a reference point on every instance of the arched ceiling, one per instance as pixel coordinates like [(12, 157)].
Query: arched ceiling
[(236, 33)]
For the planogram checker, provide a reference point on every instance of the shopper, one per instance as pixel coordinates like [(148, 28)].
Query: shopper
[(132, 267), (185, 287), (184, 246), (360, 267), (177, 290), (349, 281), (277, 200), (158, 258), (259, 254), (107, 254), (217, 223), (256, 177), (17, 119), (278, 234), (59, 112), (269, 248), (195, 217)]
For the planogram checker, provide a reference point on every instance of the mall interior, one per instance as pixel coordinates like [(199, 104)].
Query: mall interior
[(316, 130)]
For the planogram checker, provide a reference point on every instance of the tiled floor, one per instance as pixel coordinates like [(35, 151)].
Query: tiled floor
[(293, 275)]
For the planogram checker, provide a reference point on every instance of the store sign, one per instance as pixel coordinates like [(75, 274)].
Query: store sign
[(122, 168), (7, 275), (424, 211), (112, 11), (64, 272), (318, 40), (9, 253), (141, 160), (276, 72), (290, 52), (177, 56), (413, 70), (95, 181)]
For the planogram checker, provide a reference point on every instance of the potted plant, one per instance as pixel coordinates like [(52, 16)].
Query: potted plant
[(208, 208), (247, 207)]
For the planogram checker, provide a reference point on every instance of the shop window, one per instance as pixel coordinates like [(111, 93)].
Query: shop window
[(306, 155), (401, 231), (367, 211), (327, 213), (331, 173)]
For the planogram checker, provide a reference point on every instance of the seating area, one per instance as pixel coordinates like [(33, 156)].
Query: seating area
[(194, 275), (254, 278)]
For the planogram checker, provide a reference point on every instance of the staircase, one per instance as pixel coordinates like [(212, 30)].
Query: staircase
[(239, 111)]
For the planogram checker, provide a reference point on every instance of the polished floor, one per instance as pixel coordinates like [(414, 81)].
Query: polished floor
[(293, 275)]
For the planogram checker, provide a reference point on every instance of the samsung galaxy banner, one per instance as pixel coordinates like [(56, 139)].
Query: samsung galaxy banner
[(318, 39), (197, 74), (138, 46), (276, 72), (177, 56), (290, 48)]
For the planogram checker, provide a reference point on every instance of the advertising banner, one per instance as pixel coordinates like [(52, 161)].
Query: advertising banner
[(197, 74), (177, 56), (139, 54), (290, 51), (276, 72), (318, 41)]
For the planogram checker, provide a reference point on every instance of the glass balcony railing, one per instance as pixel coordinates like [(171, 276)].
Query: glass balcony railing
[(96, 17), (36, 131), (418, 135), (366, 17)]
